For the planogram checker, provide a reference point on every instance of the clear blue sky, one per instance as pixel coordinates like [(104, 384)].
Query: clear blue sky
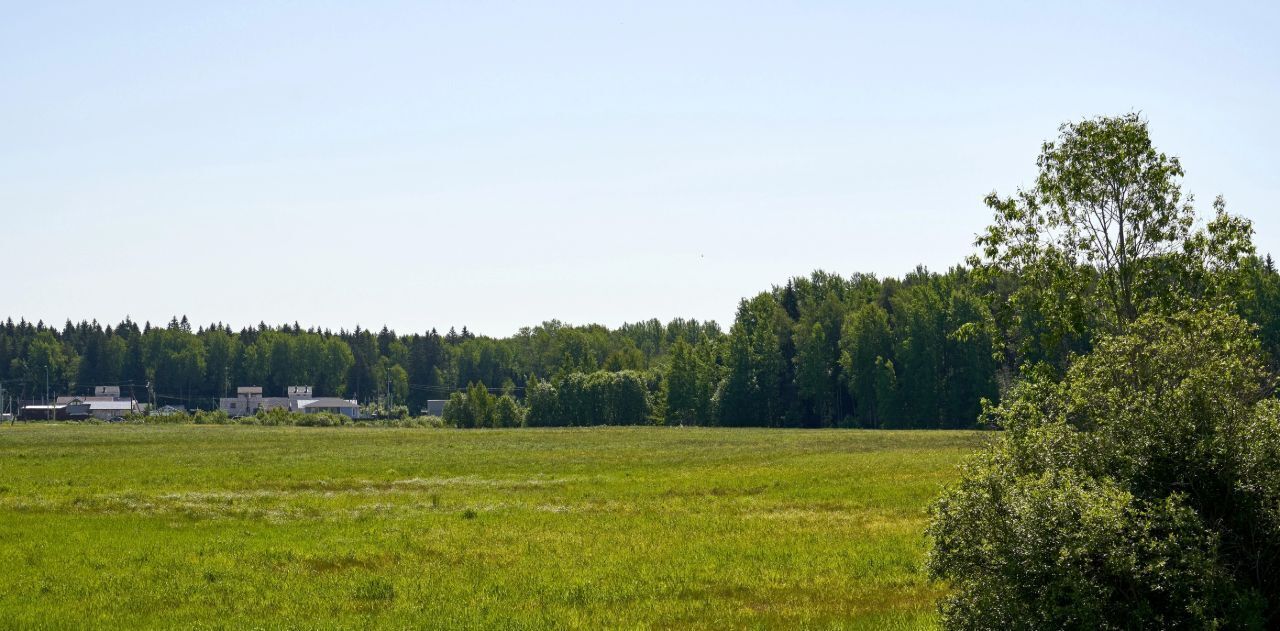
[(493, 164)]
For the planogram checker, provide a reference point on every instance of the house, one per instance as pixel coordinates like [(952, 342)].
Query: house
[(107, 391), (100, 393), (43, 411), (435, 407), (105, 404), (349, 409), (249, 401), (76, 409), (107, 410), (99, 408)]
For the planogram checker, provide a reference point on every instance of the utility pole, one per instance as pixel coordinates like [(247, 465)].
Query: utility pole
[(46, 392)]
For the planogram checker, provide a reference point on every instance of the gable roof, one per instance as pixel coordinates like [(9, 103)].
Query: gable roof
[(327, 402)]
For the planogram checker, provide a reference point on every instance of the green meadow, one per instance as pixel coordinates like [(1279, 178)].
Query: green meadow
[(211, 527)]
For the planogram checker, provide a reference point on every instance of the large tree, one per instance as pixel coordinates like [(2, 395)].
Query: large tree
[(866, 344), (755, 367), (1141, 491), (683, 393), (1104, 235), (818, 373)]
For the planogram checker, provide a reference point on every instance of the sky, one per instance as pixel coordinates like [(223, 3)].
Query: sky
[(498, 164)]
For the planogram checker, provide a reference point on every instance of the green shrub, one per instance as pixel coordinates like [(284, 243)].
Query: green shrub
[(456, 411), (544, 404), (425, 421), (319, 419), (211, 417), (1143, 490), (596, 398), (273, 417), (177, 418), (281, 417), (478, 408), (411, 422), (379, 411), (507, 412)]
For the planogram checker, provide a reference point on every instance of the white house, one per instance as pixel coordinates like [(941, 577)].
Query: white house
[(107, 410), (347, 408), (105, 404), (249, 400)]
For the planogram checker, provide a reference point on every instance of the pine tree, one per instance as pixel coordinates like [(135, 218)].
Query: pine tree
[(683, 393), (790, 303)]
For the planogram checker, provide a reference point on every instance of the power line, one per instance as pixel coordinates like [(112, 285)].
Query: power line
[(415, 386)]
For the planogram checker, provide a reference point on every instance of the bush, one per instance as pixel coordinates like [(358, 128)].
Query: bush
[(320, 419), (274, 417), (281, 417), (543, 402), (456, 411), (177, 418), (597, 398), (507, 412), (214, 417), (415, 421), (1143, 490), (199, 417), (478, 408), (379, 411)]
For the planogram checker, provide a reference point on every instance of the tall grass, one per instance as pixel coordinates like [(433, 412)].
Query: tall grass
[(206, 526)]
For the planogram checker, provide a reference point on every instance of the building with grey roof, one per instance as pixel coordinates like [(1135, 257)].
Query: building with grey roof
[(249, 401)]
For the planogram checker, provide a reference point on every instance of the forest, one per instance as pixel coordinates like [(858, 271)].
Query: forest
[(923, 350), (824, 350)]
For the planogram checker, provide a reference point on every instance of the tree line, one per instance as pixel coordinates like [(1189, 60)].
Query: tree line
[(922, 350)]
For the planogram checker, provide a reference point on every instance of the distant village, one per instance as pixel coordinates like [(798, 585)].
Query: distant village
[(108, 404)]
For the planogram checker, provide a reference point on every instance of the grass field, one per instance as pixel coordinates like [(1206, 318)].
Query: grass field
[(201, 527)]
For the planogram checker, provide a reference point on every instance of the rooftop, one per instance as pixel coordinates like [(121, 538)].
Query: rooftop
[(327, 402)]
